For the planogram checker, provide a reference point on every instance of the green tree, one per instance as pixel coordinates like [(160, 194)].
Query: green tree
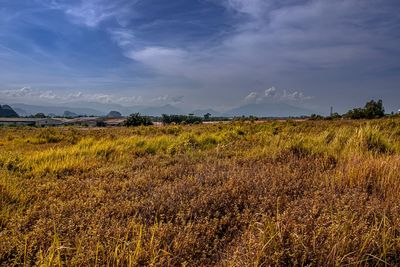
[(315, 117), (374, 109), (181, 119), (137, 120), (207, 116)]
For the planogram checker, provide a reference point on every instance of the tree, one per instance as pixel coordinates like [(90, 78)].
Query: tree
[(336, 115), (207, 116), (181, 119), (315, 117), (100, 123), (374, 109), (137, 120), (355, 114)]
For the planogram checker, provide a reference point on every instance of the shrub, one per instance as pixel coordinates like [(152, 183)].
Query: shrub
[(315, 117), (181, 119), (100, 123), (137, 120)]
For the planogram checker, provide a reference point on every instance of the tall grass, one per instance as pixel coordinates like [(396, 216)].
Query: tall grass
[(234, 194)]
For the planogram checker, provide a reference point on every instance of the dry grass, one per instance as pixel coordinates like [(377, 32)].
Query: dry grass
[(238, 194)]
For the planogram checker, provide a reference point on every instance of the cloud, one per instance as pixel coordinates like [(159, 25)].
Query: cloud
[(282, 38), (270, 92), (123, 37), (24, 91), (274, 95), (177, 99), (252, 97), (166, 99), (27, 94), (30, 95), (253, 8), (165, 60), (92, 13)]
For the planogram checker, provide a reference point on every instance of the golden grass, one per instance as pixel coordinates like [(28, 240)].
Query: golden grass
[(237, 194)]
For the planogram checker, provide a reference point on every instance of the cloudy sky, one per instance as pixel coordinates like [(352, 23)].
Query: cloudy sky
[(201, 53)]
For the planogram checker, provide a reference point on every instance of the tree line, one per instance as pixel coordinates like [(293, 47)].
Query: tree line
[(372, 110)]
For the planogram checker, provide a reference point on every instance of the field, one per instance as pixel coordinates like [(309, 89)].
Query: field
[(229, 194)]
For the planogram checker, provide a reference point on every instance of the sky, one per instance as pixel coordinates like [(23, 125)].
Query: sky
[(198, 54)]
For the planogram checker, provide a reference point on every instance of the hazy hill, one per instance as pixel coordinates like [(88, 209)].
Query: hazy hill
[(104, 108), (268, 110), (201, 112), (57, 110), (114, 114), (158, 111), (127, 110), (70, 114)]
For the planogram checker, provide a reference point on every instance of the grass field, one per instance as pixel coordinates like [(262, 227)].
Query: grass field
[(236, 194)]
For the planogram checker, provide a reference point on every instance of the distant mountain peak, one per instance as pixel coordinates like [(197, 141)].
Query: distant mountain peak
[(7, 111)]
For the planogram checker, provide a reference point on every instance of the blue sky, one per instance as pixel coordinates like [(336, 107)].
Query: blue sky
[(201, 53)]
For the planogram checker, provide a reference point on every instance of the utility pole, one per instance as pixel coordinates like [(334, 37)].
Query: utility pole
[(331, 111)]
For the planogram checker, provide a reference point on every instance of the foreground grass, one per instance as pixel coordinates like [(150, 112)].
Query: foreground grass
[(238, 194)]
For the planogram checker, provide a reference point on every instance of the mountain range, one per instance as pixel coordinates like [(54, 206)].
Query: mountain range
[(269, 110), (99, 109)]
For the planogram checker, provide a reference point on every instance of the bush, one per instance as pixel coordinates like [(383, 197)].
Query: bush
[(335, 116), (315, 117), (137, 120), (180, 119), (100, 123)]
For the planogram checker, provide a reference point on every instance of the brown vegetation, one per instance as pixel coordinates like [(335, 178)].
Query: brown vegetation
[(237, 194)]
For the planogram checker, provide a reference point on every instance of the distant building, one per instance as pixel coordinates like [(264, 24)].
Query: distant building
[(94, 121), (82, 121), (114, 121), (43, 122), (38, 122)]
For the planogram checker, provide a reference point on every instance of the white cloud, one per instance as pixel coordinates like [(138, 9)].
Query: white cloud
[(251, 97), (274, 95), (270, 92), (169, 61), (27, 94), (254, 8), (295, 96), (166, 99), (24, 91), (123, 37), (93, 12)]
